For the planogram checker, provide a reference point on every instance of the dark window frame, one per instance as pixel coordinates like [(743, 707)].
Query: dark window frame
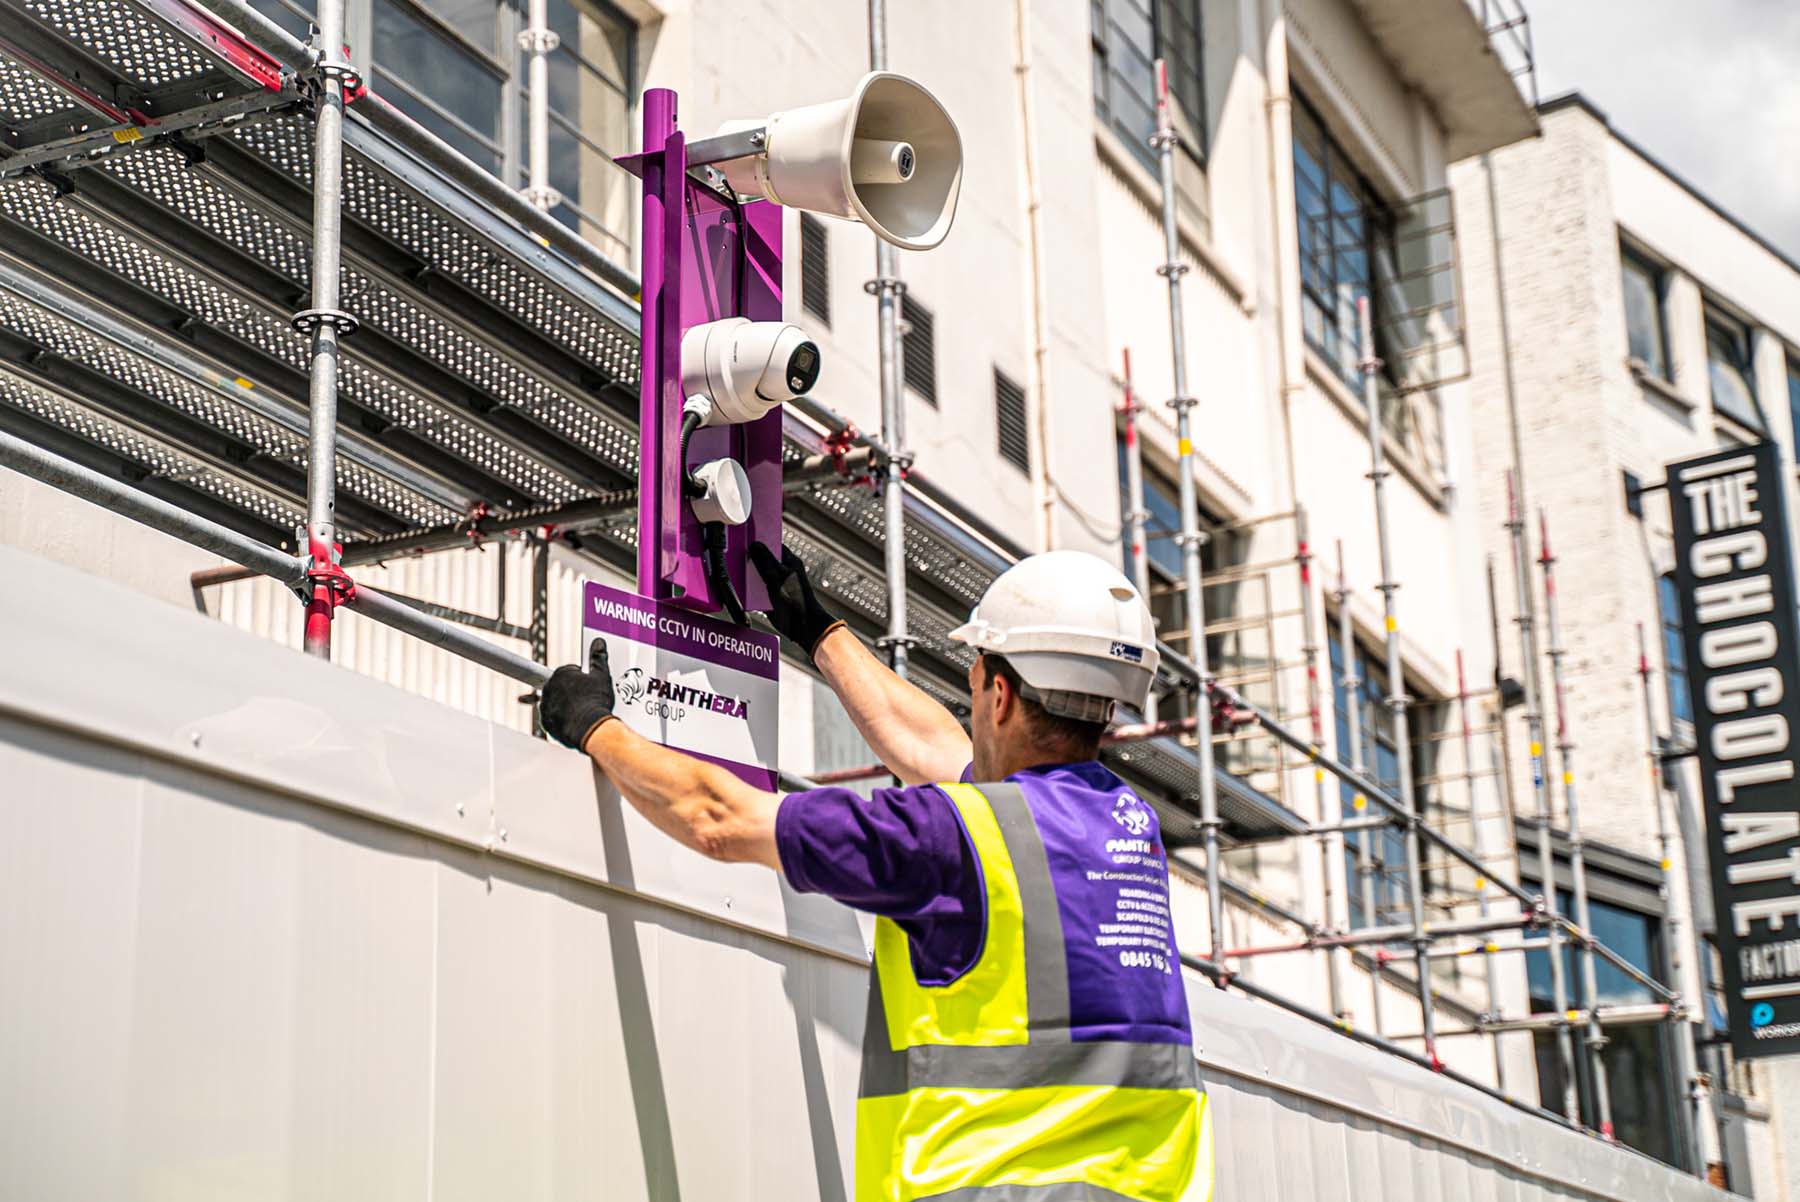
[(1388, 843), (1631, 258), (1331, 273), (1741, 339), (1187, 66), (1791, 359), (1676, 678)]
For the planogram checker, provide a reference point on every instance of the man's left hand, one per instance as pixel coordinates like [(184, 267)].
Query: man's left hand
[(573, 702)]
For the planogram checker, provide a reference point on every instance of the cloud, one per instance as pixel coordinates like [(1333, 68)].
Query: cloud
[(1708, 88)]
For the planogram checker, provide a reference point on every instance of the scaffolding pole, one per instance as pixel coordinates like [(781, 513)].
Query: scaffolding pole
[(1173, 269), (1594, 1040), (69, 476), (1481, 885), (1641, 1014), (1351, 684), (325, 322), (1396, 698), (1698, 1136), (1136, 515), (887, 289), (1534, 727), (538, 40), (1328, 817)]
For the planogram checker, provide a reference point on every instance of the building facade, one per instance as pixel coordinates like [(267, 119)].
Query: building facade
[(1643, 325)]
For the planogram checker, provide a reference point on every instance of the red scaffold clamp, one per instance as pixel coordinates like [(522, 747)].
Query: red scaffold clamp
[(473, 526), (328, 586)]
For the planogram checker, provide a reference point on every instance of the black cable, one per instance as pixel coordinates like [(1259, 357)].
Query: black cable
[(712, 534), (712, 565), (690, 486)]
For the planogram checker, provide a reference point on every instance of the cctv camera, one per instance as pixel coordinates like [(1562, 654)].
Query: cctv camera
[(746, 368)]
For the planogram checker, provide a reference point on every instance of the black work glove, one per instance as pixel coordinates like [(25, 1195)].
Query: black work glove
[(794, 610), (573, 703)]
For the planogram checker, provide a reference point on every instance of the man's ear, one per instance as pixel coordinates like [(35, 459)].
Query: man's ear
[(1005, 699)]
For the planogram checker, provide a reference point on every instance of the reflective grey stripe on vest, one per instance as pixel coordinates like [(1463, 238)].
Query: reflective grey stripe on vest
[(1050, 1058), (1031, 1065), (1046, 953), (1065, 1191)]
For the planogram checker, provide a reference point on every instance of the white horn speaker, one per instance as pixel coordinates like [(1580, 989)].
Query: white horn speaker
[(888, 155)]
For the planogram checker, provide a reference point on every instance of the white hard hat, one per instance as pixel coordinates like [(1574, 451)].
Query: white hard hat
[(1075, 630)]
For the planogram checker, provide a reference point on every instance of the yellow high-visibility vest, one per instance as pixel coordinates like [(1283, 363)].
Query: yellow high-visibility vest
[(974, 1091)]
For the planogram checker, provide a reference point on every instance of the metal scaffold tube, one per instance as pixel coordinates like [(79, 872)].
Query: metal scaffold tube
[(1351, 684), (1396, 696), (1595, 1039), (887, 290), (1172, 269), (1481, 885), (1329, 818), (1534, 727), (1136, 515), (537, 40), (326, 322), (122, 499), (1698, 1135)]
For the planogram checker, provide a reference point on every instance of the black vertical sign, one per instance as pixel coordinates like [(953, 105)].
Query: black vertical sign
[(1734, 571)]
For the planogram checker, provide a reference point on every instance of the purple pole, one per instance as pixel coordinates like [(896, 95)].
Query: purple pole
[(658, 315)]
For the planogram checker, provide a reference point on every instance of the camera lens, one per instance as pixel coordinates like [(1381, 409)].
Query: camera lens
[(803, 368)]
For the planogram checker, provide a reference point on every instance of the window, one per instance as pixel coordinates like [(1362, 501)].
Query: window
[(1729, 370), (1646, 329), (918, 351), (1129, 36), (1342, 229), (457, 68), (1675, 674), (815, 269), (1793, 389), (440, 68), (295, 16), (1636, 1058), (1009, 415), (590, 81), (1168, 594), (1381, 761)]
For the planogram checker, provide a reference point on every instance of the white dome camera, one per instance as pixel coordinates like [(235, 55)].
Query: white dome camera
[(746, 368)]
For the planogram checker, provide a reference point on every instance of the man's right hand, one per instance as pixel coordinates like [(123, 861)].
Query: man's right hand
[(794, 609)]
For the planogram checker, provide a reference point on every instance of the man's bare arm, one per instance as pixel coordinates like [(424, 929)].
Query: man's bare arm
[(700, 805), (918, 739)]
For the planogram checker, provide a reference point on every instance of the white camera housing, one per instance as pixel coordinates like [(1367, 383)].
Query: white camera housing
[(888, 155), (727, 492), (746, 368)]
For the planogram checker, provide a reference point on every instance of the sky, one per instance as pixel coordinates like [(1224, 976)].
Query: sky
[(1711, 88)]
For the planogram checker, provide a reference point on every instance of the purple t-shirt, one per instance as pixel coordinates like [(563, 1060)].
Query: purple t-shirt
[(902, 853)]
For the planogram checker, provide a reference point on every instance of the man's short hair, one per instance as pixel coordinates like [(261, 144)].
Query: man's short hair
[(1071, 738)]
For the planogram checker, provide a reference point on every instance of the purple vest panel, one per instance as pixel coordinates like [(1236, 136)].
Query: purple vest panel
[(1106, 861)]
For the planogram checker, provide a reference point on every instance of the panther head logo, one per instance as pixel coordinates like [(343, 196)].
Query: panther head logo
[(631, 686), (1132, 814)]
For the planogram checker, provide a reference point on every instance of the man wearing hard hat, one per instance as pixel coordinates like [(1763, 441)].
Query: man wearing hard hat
[(1027, 1037)]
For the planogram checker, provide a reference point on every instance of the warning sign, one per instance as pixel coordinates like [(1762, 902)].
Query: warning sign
[(690, 682)]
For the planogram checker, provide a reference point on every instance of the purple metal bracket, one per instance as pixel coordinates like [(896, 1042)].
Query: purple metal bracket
[(704, 259)]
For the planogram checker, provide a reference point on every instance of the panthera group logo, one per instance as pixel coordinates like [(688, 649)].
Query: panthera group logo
[(1132, 814), (631, 686)]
